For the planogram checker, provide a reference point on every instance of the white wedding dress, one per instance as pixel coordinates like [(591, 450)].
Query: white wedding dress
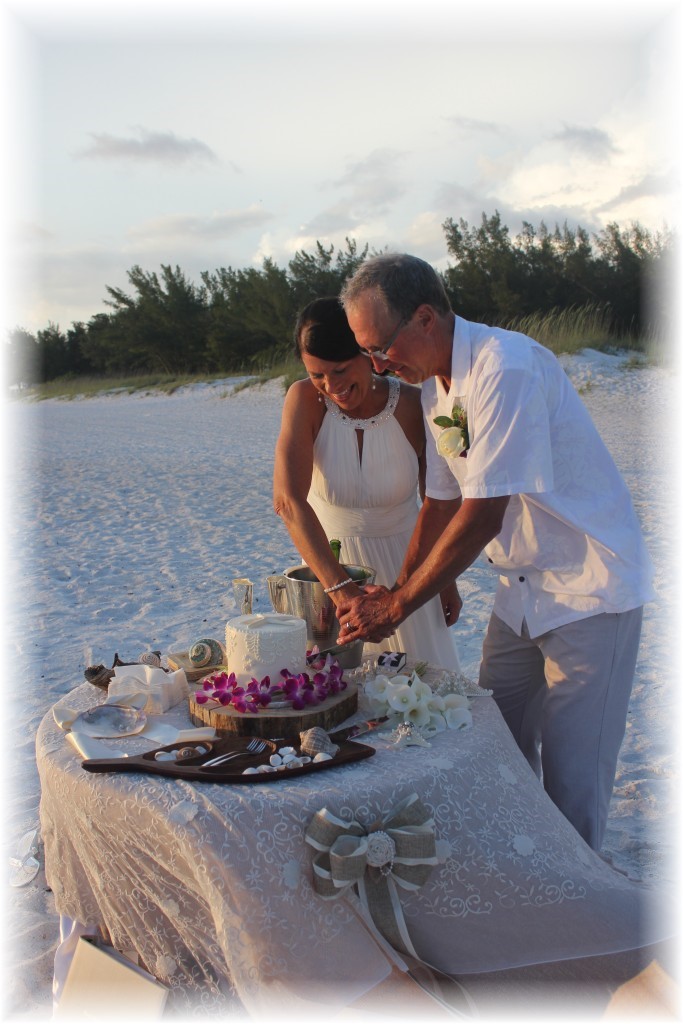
[(370, 503)]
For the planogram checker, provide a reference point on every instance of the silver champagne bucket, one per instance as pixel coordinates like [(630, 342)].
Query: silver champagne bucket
[(299, 592)]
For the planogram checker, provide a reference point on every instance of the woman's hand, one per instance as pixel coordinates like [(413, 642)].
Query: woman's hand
[(451, 602)]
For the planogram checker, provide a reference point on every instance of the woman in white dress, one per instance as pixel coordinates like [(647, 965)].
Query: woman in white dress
[(348, 463)]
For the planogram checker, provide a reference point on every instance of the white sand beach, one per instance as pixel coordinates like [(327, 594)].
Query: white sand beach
[(129, 517)]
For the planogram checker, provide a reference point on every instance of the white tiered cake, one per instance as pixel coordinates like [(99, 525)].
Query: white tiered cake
[(257, 646)]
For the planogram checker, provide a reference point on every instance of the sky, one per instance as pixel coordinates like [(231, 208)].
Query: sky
[(204, 135)]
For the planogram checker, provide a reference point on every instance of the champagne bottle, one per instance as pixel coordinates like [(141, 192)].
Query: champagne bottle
[(336, 547)]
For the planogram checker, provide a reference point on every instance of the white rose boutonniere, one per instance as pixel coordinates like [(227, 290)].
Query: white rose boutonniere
[(454, 439)]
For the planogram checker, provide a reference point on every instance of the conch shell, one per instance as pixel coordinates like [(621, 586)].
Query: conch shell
[(206, 653), (316, 741)]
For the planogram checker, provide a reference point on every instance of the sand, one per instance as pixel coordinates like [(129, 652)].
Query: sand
[(131, 514)]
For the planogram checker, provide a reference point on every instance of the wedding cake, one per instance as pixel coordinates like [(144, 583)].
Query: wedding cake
[(257, 646)]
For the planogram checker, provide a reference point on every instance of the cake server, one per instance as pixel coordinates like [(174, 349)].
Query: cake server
[(310, 658), (351, 731)]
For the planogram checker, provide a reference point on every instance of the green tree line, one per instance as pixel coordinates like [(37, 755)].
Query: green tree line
[(238, 321)]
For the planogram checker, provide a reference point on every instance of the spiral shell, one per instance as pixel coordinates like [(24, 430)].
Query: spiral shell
[(206, 653), (150, 658), (316, 741)]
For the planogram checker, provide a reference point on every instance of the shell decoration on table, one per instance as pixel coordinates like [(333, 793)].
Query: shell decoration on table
[(100, 675), (316, 741), (152, 658), (206, 653)]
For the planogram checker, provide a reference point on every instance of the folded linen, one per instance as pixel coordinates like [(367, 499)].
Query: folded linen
[(164, 689)]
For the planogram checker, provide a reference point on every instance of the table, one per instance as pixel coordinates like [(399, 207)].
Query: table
[(210, 884)]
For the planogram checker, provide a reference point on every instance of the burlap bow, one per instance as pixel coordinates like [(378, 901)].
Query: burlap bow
[(398, 851)]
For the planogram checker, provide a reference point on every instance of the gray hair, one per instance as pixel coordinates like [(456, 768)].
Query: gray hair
[(404, 282)]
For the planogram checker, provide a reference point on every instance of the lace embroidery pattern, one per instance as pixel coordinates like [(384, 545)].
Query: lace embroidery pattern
[(373, 421), (210, 885)]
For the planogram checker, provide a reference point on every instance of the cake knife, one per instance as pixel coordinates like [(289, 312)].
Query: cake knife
[(351, 731)]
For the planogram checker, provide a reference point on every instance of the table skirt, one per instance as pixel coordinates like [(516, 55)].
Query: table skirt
[(211, 885)]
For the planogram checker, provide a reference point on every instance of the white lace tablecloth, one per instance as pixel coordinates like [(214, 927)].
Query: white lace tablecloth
[(211, 883)]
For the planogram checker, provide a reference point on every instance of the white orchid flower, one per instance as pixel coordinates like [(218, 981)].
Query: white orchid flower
[(456, 700), (400, 680), (402, 698), (419, 716), (458, 718), (376, 688), (436, 723), (423, 690)]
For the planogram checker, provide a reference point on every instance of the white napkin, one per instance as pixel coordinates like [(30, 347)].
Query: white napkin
[(164, 689), (88, 747), (164, 734)]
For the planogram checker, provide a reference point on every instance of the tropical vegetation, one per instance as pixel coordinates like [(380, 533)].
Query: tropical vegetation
[(562, 286)]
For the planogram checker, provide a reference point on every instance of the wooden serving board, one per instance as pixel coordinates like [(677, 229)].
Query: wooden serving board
[(193, 770), (276, 722)]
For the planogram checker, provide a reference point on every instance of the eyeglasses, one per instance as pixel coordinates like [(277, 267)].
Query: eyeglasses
[(380, 354)]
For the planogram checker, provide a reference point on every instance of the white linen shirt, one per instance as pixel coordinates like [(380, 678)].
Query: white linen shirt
[(570, 545)]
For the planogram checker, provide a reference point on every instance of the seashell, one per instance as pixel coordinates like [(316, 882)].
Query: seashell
[(294, 762), (289, 757), (322, 757), (305, 760), (206, 652), (152, 658), (98, 675), (164, 755), (250, 771), (109, 721), (287, 750), (266, 768), (276, 760), (316, 741)]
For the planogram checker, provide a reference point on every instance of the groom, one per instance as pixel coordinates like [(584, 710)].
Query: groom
[(543, 499)]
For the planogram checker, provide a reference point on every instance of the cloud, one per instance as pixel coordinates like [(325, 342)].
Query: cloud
[(210, 228), (473, 126), (374, 182), (592, 142), (150, 147), (651, 185), (331, 221), (27, 233)]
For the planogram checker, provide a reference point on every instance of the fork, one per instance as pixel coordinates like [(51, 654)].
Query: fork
[(253, 747)]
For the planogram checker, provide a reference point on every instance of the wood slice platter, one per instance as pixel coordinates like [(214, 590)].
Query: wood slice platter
[(271, 722)]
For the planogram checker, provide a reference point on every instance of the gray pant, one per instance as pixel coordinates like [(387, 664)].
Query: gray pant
[(564, 696)]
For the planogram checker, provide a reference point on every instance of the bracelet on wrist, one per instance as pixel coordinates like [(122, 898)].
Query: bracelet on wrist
[(337, 586)]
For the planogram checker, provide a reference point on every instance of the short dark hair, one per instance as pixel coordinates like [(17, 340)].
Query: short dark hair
[(323, 331), (403, 281)]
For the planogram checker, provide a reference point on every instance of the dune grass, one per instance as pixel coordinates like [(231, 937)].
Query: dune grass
[(69, 388), (569, 330)]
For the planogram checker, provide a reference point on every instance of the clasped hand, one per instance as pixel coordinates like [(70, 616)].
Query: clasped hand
[(371, 616)]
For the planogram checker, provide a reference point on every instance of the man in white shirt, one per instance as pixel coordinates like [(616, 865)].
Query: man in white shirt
[(543, 499)]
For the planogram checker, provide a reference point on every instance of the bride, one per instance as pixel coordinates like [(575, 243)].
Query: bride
[(348, 464)]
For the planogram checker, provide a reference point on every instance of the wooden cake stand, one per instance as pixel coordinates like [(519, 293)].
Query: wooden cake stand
[(275, 722)]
